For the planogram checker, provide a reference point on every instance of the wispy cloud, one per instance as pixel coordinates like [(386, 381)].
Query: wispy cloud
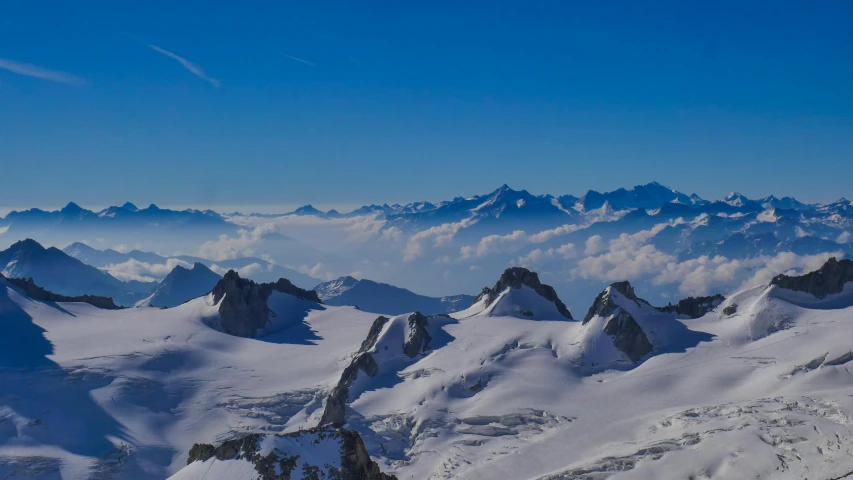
[(297, 59), (192, 67), (40, 72)]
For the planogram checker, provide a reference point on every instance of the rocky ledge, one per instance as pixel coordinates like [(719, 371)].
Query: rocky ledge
[(35, 292), (827, 280), (243, 306), (281, 457), (516, 277), (694, 307)]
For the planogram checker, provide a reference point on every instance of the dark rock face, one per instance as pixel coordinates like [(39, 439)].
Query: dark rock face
[(515, 277), (694, 307), (355, 463), (35, 292), (730, 309), (373, 334), (335, 411), (419, 338), (627, 334), (243, 303), (829, 279)]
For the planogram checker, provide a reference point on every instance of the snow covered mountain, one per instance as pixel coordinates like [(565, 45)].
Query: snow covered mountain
[(757, 387), (60, 273), (181, 285), (388, 299)]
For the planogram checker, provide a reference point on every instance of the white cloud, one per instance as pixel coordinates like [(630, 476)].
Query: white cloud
[(539, 256), (40, 72), (4, 229), (546, 235), (441, 235), (317, 271), (843, 238), (226, 247), (593, 245), (246, 271), (392, 233), (123, 248), (192, 67), (495, 244), (144, 271), (630, 257), (514, 241)]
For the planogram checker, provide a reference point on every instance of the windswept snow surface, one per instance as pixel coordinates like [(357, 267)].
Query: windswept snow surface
[(764, 392), (89, 393)]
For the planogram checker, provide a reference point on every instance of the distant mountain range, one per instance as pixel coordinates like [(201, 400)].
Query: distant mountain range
[(60, 273), (255, 268), (386, 299)]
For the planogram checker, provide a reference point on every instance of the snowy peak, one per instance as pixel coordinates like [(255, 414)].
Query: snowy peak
[(181, 285), (606, 303), (335, 288), (308, 210), (827, 280), (520, 293), (610, 313)]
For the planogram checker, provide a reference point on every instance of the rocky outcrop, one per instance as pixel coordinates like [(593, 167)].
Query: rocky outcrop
[(284, 463), (35, 292), (242, 303), (416, 342), (730, 310), (516, 277), (334, 412), (418, 339), (694, 307), (628, 336), (829, 279)]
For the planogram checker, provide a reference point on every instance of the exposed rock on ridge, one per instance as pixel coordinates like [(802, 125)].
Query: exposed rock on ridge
[(828, 279), (418, 339), (35, 292), (694, 307), (334, 412), (355, 463), (242, 303), (516, 277), (416, 342)]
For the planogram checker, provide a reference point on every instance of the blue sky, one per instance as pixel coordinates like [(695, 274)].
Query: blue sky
[(342, 103)]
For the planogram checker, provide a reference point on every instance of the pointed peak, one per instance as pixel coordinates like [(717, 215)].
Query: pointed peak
[(518, 277), (129, 206), (27, 245), (71, 207), (625, 288), (153, 207)]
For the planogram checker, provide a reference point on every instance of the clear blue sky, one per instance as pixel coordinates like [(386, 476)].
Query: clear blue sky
[(351, 102)]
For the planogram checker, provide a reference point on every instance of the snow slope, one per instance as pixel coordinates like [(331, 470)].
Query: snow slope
[(90, 393), (762, 391)]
